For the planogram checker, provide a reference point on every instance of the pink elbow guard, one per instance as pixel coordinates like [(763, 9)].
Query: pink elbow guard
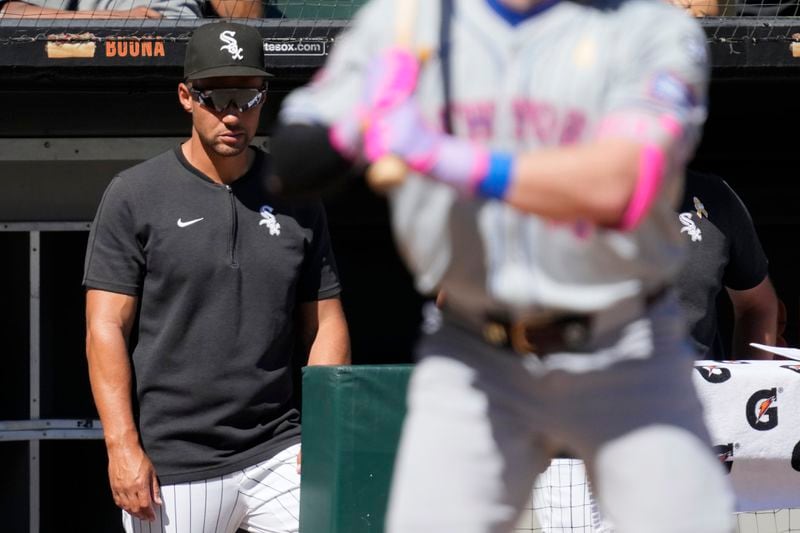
[(651, 173)]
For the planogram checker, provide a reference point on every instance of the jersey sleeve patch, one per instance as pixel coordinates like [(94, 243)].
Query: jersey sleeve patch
[(672, 92)]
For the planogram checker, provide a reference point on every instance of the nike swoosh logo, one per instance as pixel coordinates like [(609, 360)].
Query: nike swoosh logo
[(182, 224)]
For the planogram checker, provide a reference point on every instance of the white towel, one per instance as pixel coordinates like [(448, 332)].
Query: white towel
[(752, 409)]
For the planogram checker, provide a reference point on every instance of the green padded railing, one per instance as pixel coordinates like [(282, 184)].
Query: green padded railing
[(352, 417)]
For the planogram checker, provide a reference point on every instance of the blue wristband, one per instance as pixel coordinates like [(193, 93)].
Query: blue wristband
[(498, 177)]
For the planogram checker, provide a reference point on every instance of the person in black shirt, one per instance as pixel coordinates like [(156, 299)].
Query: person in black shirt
[(198, 418), (724, 251)]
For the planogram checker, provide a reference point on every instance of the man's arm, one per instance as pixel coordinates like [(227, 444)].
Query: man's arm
[(324, 332), (755, 314), (109, 318), (607, 167), (17, 9), (238, 8)]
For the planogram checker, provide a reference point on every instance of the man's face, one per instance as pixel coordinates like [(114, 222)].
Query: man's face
[(228, 132)]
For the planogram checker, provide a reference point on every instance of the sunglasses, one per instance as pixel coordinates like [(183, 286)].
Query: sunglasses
[(221, 99)]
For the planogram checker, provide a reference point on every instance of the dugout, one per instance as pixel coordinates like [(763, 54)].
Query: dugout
[(67, 125)]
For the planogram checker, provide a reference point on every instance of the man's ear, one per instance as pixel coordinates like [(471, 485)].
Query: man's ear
[(185, 97)]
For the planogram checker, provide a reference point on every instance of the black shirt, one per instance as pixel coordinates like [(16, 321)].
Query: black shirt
[(218, 271), (724, 250)]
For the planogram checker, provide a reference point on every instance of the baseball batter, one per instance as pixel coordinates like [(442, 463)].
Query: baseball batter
[(545, 214)]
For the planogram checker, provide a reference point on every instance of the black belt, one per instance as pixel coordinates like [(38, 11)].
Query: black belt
[(539, 336)]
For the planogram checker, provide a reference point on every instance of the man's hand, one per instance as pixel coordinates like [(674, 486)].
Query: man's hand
[(134, 484), (698, 8)]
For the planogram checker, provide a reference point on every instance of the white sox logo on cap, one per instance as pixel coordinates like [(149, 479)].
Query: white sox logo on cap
[(231, 45)]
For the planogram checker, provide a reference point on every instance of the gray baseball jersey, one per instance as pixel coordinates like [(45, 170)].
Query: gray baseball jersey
[(552, 80)]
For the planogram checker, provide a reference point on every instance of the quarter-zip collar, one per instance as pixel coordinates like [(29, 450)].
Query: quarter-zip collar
[(230, 200), (258, 161)]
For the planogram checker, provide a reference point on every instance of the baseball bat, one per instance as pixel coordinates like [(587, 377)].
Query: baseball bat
[(390, 170)]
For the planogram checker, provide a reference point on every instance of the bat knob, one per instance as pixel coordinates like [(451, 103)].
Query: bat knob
[(386, 173)]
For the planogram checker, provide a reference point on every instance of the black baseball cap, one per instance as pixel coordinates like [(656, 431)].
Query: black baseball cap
[(224, 49)]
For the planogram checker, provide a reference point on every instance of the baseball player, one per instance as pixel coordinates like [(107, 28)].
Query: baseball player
[(220, 280), (545, 144)]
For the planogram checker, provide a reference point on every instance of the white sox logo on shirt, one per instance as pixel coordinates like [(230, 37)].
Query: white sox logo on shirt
[(690, 227), (269, 220), (231, 45)]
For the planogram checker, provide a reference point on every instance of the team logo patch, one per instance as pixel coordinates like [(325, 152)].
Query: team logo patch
[(713, 373), (585, 53), (690, 227), (699, 208), (762, 411), (725, 454), (269, 220), (668, 89), (231, 44), (696, 49)]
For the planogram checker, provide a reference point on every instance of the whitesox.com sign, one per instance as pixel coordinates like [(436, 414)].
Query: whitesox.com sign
[(295, 47)]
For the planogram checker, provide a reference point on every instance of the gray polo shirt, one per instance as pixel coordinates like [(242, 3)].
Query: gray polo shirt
[(219, 272)]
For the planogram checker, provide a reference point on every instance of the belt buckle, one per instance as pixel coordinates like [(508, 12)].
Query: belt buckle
[(519, 340), (542, 336), (513, 335)]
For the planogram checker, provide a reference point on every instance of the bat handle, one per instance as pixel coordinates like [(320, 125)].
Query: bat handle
[(386, 173)]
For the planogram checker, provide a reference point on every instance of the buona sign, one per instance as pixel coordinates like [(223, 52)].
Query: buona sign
[(148, 47)]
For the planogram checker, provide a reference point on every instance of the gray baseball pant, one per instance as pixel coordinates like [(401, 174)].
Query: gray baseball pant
[(483, 422)]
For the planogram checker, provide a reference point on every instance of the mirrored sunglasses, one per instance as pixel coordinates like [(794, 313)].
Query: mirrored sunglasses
[(220, 99)]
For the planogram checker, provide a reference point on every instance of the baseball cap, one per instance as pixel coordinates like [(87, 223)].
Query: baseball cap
[(224, 49)]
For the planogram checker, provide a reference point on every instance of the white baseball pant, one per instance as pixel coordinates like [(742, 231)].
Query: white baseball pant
[(263, 498)]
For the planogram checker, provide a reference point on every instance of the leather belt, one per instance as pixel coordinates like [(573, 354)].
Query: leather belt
[(538, 336), (541, 337)]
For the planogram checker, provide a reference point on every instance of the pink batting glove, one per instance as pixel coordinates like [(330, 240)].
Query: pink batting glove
[(390, 80), (402, 131)]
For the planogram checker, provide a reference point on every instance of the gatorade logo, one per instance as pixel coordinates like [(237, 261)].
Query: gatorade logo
[(761, 411), (725, 454), (713, 373)]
